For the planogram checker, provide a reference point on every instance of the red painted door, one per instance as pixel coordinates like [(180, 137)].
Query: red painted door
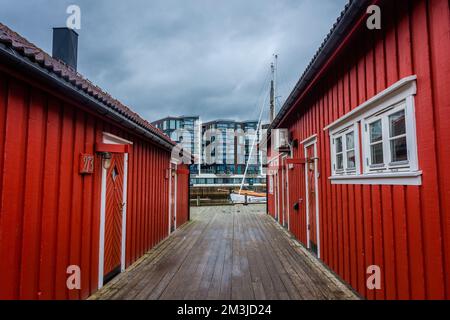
[(113, 217), (311, 188)]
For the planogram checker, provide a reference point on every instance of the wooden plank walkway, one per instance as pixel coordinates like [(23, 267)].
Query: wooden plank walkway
[(229, 253)]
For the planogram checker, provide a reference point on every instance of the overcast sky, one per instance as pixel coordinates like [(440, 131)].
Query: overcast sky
[(186, 57)]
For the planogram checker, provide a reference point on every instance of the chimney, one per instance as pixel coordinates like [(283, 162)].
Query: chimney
[(65, 46)]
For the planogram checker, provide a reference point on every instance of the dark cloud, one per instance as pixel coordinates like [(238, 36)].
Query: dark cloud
[(201, 57)]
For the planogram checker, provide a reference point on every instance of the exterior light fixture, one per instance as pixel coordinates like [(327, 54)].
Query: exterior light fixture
[(106, 157)]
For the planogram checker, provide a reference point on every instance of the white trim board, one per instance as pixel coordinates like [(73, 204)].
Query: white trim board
[(401, 179), (173, 170), (113, 139), (310, 140), (288, 198), (284, 190)]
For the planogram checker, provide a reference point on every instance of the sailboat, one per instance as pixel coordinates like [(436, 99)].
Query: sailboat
[(247, 196)]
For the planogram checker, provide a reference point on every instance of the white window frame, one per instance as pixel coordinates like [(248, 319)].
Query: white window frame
[(395, 98), (388, 166), (345, 171)]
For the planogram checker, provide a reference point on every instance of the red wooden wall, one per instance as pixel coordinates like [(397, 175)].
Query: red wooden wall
[(403, 229), (49, 217)]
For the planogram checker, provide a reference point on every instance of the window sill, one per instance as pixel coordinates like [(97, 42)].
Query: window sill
[(402, 179)]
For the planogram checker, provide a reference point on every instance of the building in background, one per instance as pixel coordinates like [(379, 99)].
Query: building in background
[(224, 162), (224, 147), (185, 131)]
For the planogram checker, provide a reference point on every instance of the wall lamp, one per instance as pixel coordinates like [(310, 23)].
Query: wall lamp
[(106, 160)]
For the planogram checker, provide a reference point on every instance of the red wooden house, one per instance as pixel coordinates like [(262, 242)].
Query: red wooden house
[(84, 181), (362, 178)]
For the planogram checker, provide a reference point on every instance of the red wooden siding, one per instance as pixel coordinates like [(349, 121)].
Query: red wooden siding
[(403, 229), (49, 217)]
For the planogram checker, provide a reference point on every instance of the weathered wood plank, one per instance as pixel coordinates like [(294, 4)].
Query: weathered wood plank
[(227, 253)]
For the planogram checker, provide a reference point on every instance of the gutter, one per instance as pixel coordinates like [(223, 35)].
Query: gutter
[(12, 58)]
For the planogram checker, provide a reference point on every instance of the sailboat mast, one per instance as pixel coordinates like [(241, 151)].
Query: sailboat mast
[(273, 68)]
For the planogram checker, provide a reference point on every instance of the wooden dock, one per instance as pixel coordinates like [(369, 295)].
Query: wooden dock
[(229, 253)]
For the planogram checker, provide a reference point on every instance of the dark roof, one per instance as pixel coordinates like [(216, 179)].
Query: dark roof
[(352, 12), (65, 73)]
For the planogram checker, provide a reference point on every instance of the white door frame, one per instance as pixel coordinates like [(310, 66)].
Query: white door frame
[(288, 199), (171, 170), (277, 197), (112, 139), (284, 189), (308, 143)]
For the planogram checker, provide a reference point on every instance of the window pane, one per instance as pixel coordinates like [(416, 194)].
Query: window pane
[(375, 131), (350, 137), (377, 153), (339, 162), (397, 124), (351, 160), (399, 150), (339, 145)]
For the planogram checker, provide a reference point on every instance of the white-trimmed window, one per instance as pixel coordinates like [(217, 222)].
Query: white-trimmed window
[(386, 140), (387, 152), (345, 148)]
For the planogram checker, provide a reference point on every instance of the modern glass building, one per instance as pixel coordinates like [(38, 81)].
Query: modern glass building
[(185, 131), (225, 148)]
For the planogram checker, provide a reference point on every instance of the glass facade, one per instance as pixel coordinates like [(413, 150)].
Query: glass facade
[(183, 130), (227, 181), (226, 148)]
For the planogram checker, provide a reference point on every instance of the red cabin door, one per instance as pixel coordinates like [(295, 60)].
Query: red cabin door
[(312, 197), (113, 217)]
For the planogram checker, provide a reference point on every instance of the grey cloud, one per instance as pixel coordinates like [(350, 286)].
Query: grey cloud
[(201, 57)]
